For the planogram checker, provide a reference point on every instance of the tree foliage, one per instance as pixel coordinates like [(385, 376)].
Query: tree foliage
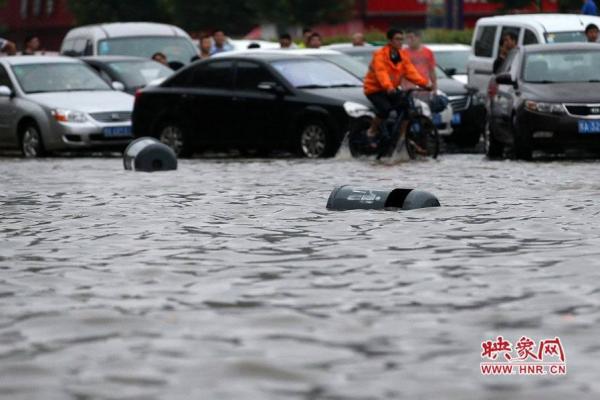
[(237, 16), (93, 11)]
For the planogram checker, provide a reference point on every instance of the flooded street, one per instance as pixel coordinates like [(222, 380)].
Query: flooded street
[(228, 279)]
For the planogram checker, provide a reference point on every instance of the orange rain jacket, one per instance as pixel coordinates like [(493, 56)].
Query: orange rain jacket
[(383, 75)]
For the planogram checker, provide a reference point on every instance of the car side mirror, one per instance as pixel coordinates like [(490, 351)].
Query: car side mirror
[(118, 86), (451, 71), (270, 87), (5, 91), (505, 79)]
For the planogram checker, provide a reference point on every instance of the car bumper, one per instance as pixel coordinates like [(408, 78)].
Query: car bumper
[(556, 131), (92, 135)]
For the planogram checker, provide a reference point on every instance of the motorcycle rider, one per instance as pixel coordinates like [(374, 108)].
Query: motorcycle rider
[(387, 70)]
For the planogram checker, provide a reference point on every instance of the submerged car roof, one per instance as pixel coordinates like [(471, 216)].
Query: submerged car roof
[(545, 22), (24, 60)]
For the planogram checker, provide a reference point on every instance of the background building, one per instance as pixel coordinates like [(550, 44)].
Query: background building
[(48, 19)]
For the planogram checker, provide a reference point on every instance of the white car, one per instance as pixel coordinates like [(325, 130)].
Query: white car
[(529, 28), (242, 44), (453, 59)]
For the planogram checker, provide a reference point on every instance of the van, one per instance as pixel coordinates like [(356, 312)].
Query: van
[(530, 29), (141, 39)]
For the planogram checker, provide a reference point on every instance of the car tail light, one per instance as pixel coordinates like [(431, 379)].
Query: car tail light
[(492, 89), (138, 94)]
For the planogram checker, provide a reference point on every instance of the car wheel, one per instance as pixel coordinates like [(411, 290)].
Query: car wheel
[(522, 146), (314, 140), (493, 148), (31, 141), (174, 137)]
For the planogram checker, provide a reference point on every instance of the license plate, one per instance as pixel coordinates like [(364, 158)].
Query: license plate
[(117, 131), (589, 127), (437, 119), (456, 119)]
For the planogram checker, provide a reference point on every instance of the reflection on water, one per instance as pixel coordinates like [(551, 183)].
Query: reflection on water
[(230, 279)]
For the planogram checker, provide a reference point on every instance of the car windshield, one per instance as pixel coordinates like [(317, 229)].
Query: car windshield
[(363, 57), (453, 59), (568, 66), (315, 74), (58, 77), (565, 37), (175, 48), (348, 63), (139, 73), (440, 73)]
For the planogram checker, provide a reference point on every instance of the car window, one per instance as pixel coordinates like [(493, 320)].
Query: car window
[(67, 46), (57, 77), (178, 48), (138, 73), (508, 63), (529, 38), (249, 75), (314, 74), (4, 78), (89, 48), (565, 37), (79, 47), (484, 42), (509, 29), (215, 75), (562, 67)]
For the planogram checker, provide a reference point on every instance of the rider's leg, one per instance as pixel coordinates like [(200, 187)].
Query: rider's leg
[(383, 107)]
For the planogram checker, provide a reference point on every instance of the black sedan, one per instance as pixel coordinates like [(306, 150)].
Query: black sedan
[(546, 98), (468, 106), (259, 101), (132, 72)]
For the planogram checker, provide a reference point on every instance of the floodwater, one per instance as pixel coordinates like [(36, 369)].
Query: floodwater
[(228, 279)]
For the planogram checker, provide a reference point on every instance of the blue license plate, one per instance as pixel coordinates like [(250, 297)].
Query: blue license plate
[(117, 132), (456, 119), (437, 119)]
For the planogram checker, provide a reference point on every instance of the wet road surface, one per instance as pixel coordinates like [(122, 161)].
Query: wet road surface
[(228, 279)]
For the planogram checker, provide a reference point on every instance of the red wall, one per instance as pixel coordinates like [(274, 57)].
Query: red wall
[(383, 13), (50, 28)]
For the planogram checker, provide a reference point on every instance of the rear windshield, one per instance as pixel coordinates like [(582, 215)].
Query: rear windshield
[(175, 48), (569, 66), (313, 74), (565, 37), (139, 73), (456, 59)]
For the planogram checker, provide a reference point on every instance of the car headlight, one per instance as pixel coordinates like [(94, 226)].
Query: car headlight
[(62, 115), (549, 108), (357, 110), (477, 99)]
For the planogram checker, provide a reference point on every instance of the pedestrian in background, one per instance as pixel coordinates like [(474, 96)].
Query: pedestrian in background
[(591, 33), (358, 39), (285, 41), (589, 8), (206, 45), (421, 57), (160, 58), (314, 42), (306, 33), (220, 44), (7, 47), (31, 46), (507, 43)]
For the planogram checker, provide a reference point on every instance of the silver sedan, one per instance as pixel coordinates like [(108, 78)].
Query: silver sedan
[(59, 103)]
